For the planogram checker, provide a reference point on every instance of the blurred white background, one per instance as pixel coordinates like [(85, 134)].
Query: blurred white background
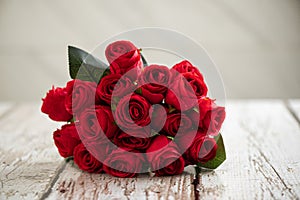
[(255, 43)]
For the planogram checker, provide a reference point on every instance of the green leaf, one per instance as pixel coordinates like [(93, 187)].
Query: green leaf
[(153, 133), (145, 64), (68, 159), (220, 156), (116, 99), (171, 109), (72, 120), (138, 91), (84, 66), (170, 137), (113, 106)]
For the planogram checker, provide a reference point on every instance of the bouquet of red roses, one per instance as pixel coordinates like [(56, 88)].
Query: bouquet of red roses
[(129, 117)]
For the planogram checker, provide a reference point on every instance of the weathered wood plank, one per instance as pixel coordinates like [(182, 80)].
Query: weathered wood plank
[(263, 160), (260, 137), (294, 106), (75, 184), (28, 159)]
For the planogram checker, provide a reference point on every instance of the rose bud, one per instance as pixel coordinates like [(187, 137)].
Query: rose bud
[(175, 122), (181, 94), (86, 161), (81, 95), (114, 84), (97, 123), (211, 117), (66, 139), (155, 80), (136, 139), (123, 56), (54, 105), (186, 66), (164, 158), (124, 164), (133, 112), (202, 149)]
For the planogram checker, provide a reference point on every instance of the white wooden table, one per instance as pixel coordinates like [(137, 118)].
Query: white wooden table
[(262, 139)]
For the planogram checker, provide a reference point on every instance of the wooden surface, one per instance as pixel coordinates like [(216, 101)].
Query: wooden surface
[(28, 160), (263, 160)]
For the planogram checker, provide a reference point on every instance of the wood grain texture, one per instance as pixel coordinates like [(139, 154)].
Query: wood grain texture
[(263, 160), (28, 158), (75, 184), (294, 107)]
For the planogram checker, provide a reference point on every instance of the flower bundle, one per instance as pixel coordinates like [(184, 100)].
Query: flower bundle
[(129, 117)]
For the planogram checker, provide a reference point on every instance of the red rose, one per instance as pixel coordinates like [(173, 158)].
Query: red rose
[(186, 66), (197, 84), (164, 160), (97, 122), (123, 87), (211, 118), (202, 149), (159, 117), (122, 57), (181, 94), (66, 139), (100, 149), (81, 95), (121, 163), (133, 112), (136, 139), (54, 105), (175, 121), (114, 84), (155, 80), (86, 161)]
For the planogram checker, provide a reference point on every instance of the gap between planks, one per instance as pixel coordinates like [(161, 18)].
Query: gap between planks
[(248, 125), (29, 161), (75, 184), (262, 156), (53, 181), (260, 163)]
